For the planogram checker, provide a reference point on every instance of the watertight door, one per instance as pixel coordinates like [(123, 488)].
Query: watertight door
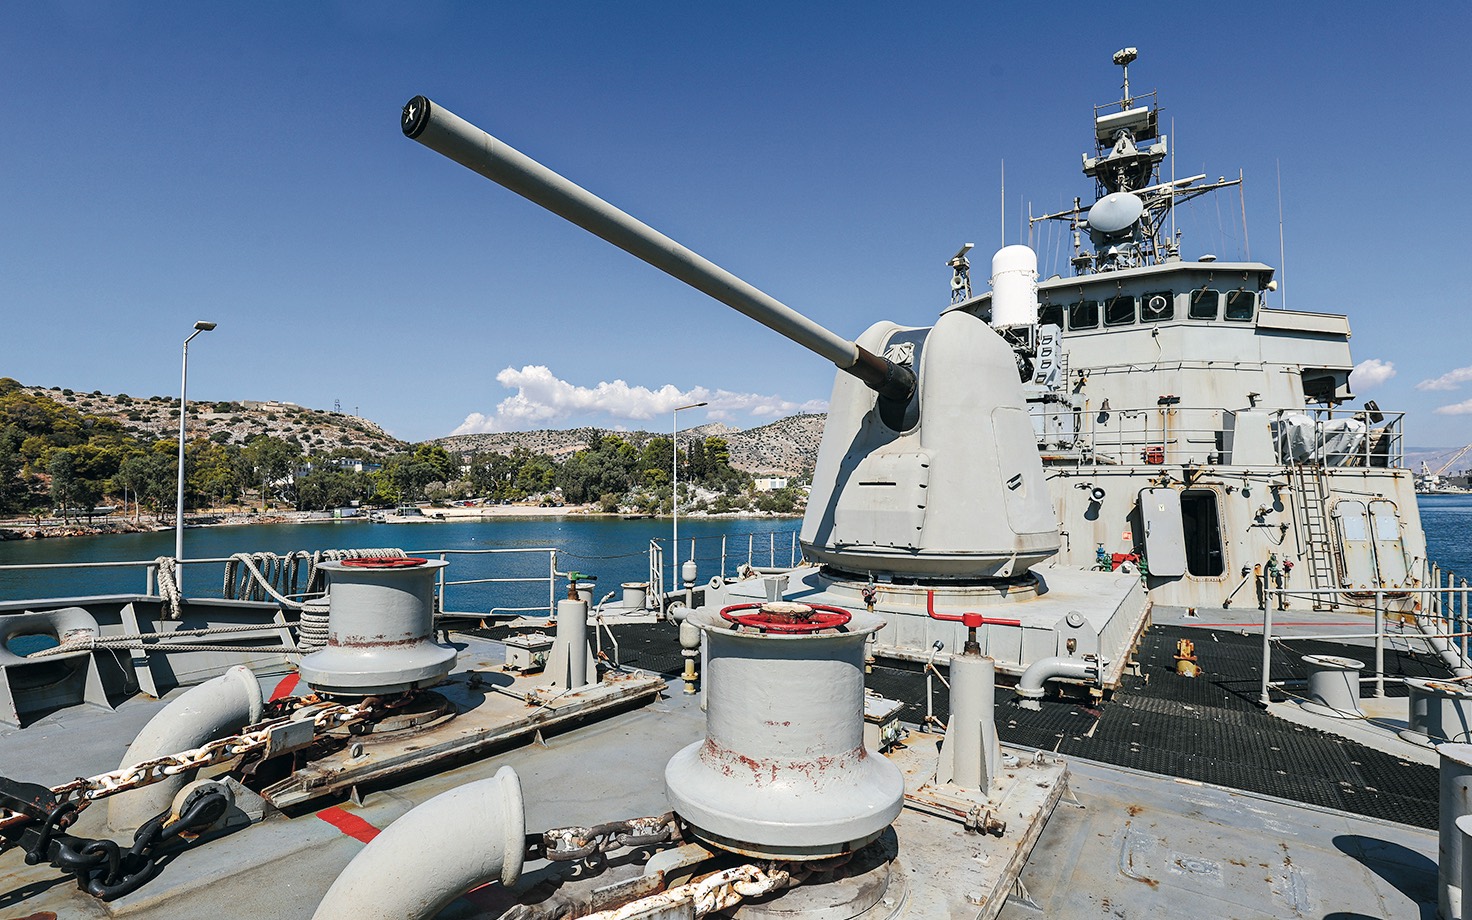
[(1165, 536), (1356, 549), (1390, 551)]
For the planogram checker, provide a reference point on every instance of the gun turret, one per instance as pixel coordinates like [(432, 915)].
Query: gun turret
[(444, 132)]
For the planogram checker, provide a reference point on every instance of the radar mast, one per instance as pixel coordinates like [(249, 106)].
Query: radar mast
[(1126, 222)]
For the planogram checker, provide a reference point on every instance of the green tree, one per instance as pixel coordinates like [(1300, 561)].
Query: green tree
[(62, 468), (15, 491), (331, 487), (271, 462), (151, 475), (212, 473)]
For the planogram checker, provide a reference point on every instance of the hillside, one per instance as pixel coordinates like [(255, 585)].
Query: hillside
[(788, 446), (316, 430)]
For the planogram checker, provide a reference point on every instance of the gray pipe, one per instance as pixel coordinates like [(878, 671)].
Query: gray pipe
[(215, 708), (445, 132), (1442, 647), (456, 841), (1030, 686)]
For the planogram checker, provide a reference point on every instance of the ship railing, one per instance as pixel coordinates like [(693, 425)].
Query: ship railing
[(520, 566), (1432, 617), (729, 554), (1172, 434)]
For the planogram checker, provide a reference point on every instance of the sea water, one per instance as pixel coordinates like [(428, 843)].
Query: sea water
[(611, 550)]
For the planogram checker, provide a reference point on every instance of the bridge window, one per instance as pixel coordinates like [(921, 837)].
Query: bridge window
[(1160, 305), (1119, 311), (1203, 529), (1083, 315), (1204, 303), (1240, 305), (1051, 314)]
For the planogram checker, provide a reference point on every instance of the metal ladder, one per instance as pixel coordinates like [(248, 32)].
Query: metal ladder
[(1322, 561)]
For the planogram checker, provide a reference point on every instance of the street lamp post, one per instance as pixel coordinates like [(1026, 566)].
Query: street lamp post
[(675, 487), (179, 507)]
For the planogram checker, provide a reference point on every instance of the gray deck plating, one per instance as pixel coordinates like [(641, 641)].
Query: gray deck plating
[(1137, 845), (983, 869), (1141, 846)]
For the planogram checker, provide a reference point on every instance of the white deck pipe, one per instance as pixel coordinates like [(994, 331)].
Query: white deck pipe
[(478, 835), (203, 713), (1030, 686)]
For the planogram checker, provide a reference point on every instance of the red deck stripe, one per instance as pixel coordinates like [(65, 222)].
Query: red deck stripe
[(283, 689), (350, 824)]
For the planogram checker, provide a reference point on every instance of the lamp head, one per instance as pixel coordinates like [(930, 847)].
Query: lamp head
[(203, 326)]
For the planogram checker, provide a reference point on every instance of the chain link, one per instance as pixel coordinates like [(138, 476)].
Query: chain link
[(324, 716), (716, 892), (563, 844)]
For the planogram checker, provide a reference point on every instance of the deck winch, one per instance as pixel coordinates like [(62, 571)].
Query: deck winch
[(380, 636), (783, 772)]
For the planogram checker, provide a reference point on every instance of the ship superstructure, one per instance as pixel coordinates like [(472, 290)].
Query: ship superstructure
[(1186, 426)]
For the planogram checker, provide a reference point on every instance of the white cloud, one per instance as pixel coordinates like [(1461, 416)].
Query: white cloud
[(542, 398), (1461, 408), (1370, 373), (1448, 381)]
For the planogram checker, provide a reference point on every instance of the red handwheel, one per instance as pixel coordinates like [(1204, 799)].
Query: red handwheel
[(385, 562), (790, 618)]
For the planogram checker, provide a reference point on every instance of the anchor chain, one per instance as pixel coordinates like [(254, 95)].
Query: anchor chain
[(103, 868), (569, 843), (324, 716), (35, 818)]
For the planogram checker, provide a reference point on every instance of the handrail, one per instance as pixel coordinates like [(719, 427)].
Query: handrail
[(150, 565), (760, 545), (1173, 433), (1273, 596)]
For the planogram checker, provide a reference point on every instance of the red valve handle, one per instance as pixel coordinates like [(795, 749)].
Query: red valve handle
[(968, 619), (385, 562), (821, 617)]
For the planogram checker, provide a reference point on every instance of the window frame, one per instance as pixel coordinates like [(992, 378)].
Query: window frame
[(1216, 304), (1072, 310), (1134, 310), (1227, 305)]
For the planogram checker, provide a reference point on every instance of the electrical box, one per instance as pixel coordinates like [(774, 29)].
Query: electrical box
[(527, 652), (882, 729)]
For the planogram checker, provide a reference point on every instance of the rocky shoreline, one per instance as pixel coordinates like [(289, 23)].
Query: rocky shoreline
[(26, 529)]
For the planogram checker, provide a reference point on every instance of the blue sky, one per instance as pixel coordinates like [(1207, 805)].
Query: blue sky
[(243, 164)]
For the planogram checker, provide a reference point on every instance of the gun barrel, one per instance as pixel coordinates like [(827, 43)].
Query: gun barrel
[(445, 132)]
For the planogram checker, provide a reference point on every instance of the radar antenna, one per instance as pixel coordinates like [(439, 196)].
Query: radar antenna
[(1122, 57), (961, 275)]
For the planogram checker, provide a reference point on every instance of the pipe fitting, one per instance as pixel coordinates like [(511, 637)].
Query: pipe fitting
[(215, 708), (397, 877), (1030, 686)]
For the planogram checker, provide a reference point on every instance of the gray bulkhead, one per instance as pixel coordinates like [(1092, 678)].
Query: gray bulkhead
[(1179, 378)]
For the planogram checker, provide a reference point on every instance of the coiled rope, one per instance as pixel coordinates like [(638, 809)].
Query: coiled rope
[(268, 576)]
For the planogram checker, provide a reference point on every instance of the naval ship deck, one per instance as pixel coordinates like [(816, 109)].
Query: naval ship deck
[(1207, 729), (1121, 842)]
